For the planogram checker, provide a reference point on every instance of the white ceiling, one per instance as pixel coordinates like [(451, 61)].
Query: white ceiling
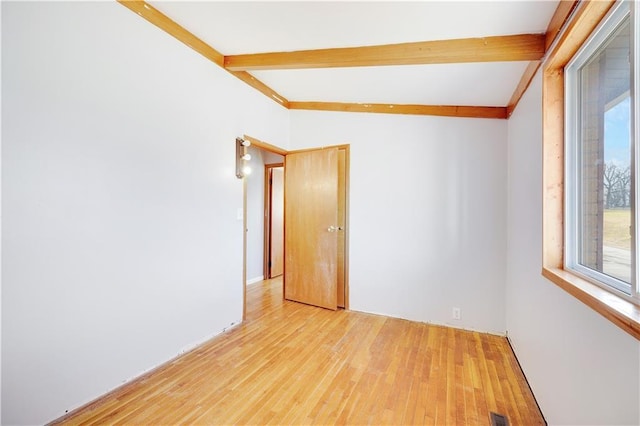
[(255, 27)]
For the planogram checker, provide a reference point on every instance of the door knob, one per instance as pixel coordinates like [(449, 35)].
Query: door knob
[(334, 228)]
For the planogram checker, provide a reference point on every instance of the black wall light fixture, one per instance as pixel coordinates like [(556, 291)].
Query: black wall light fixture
[(242, 158)]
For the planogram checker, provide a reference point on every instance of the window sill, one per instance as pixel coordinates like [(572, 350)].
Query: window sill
[(616, 309)]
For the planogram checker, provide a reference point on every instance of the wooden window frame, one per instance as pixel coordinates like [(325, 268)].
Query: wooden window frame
[(617, 309)]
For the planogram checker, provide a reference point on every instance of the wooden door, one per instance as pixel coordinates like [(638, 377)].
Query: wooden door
[(311, 227), (276, 217), (342, 222)]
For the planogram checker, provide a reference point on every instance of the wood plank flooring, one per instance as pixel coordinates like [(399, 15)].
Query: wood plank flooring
[(291, 363)]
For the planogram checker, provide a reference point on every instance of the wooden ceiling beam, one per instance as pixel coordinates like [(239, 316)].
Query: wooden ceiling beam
[(501, 48), (437, 110), (522, 86), (560, 16), (522, 47), (174, 29)]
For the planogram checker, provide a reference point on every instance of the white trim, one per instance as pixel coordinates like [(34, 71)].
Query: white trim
[(255, 280), (191, 346)]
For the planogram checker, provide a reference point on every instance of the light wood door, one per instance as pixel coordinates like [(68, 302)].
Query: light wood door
[(342, 221), (311, 227), (276, 240)]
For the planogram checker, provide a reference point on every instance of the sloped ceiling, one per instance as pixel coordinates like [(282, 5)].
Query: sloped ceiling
[(236, 28)]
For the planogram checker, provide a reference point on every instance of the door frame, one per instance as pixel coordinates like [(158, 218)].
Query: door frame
[(277, 150), (267, 217)]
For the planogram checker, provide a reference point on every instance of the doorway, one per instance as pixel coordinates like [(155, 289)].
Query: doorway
[(263, 155), (267, 163), (258, 208)]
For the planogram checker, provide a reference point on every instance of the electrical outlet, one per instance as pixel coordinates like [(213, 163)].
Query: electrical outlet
[(455, 314)]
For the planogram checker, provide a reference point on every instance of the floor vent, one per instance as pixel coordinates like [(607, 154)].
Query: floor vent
[(498, 420)]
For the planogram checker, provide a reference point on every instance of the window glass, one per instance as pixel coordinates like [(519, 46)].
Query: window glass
[(604, 169)]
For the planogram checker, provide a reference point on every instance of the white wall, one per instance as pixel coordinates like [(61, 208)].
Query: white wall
[(120, 243), (121, 246), (427, 213), (582, 369)]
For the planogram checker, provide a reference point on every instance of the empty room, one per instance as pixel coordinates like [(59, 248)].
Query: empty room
[(320, 212)]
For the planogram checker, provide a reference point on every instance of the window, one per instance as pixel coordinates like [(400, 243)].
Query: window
[(599, 157), (590, 87)]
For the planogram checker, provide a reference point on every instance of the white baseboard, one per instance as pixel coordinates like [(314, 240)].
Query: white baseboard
[(255, 280)]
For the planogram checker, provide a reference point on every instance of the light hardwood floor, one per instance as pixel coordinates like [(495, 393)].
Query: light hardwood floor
[(291, 363)]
